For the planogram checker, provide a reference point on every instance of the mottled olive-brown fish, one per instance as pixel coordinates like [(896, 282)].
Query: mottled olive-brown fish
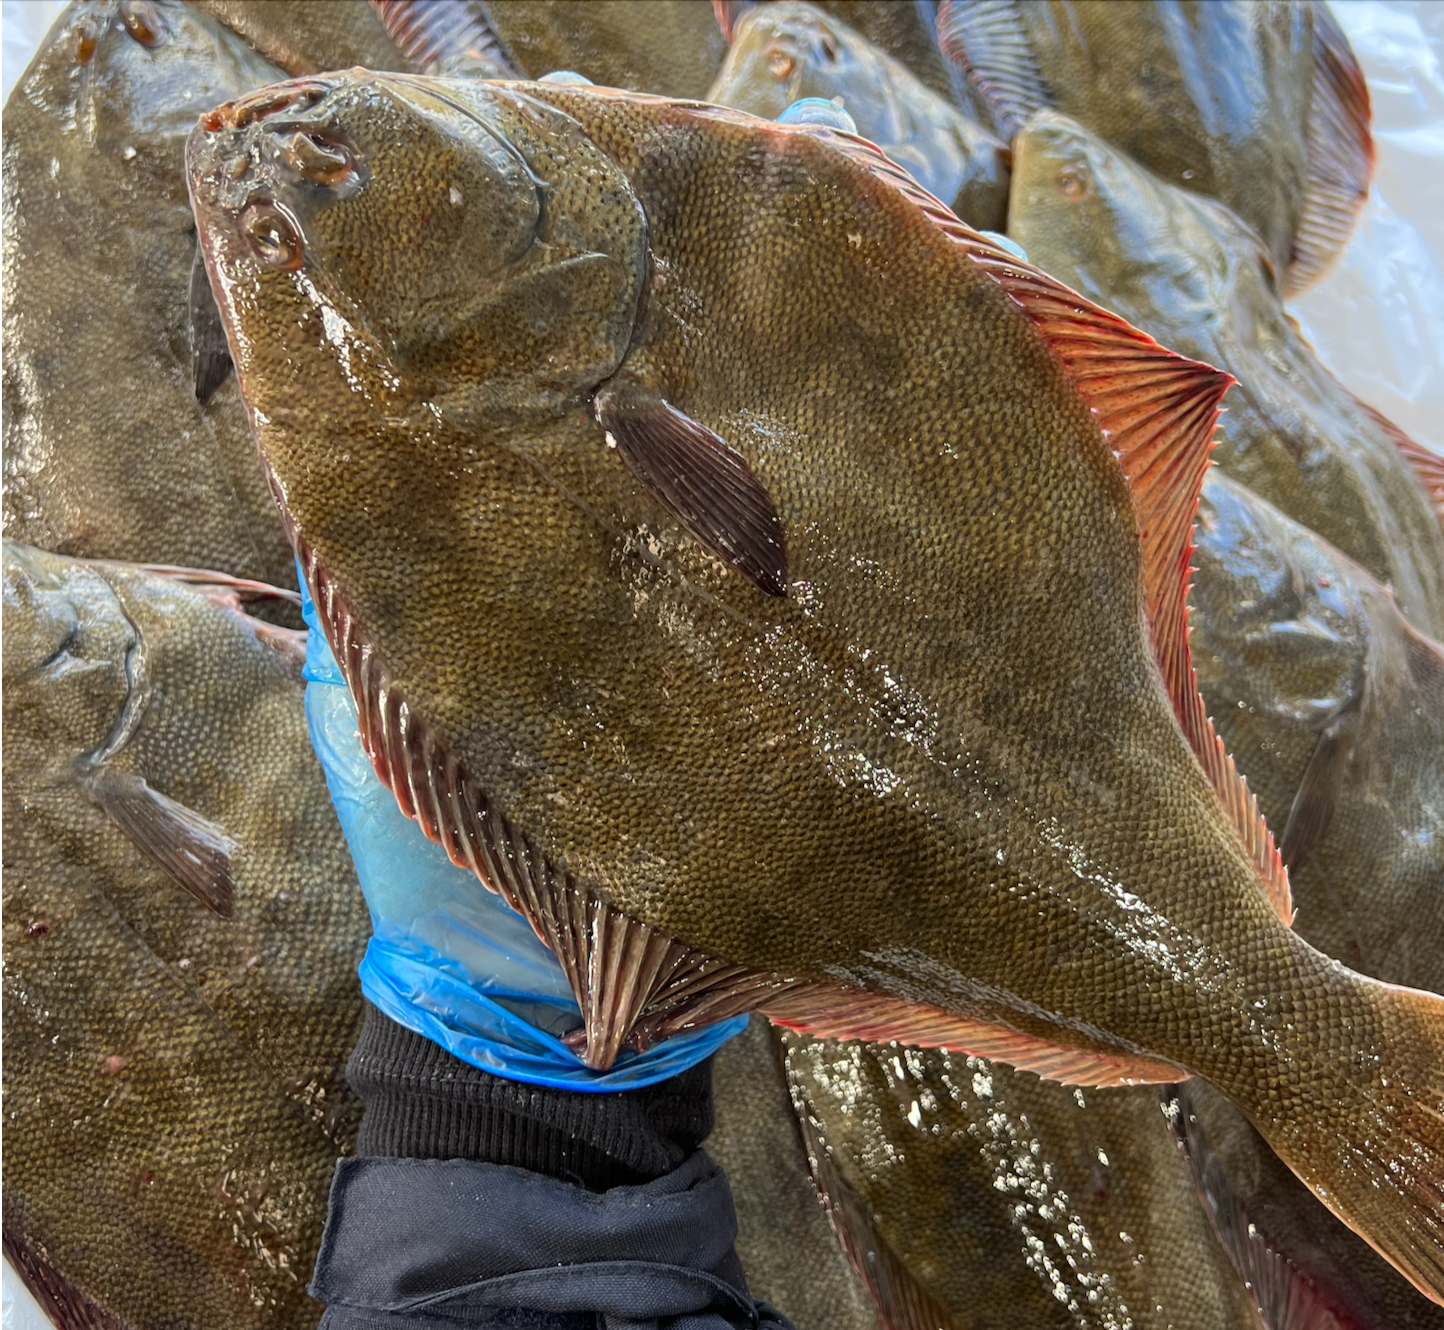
[(907, 31), (973, 1197), (1189, 272), (786, 51), (776, 590), (784, 1240), (669, 47), (118, 442), (182, 928), (1261, 106), (303, 37), (1332, 704)]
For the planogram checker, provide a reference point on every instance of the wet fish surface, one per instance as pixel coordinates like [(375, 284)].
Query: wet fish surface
[(786, 51), (669, 47), (303, 37), (1190, 273), (1261, 106), (1333, 706), (981, 1198), (182, 927), (784, 1242), (108, 451), (758, 643)]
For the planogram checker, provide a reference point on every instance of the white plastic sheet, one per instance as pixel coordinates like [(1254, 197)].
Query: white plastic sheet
[(1377, 319)]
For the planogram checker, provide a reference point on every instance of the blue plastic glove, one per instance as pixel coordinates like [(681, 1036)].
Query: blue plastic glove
[(449, 959)]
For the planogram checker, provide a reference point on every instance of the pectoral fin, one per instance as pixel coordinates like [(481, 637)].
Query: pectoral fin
[(703, 482), (188, 846), (210, 354)]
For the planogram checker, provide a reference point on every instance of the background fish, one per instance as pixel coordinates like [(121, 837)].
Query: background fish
[(669, 47), (787, 1249), (182, 927), (786, 51), (303, 37), (1188, 271), (981, 1198), (1261, 106), (938, 790), (108, 452)]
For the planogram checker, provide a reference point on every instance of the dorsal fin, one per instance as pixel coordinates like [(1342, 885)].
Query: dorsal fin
[(1157, 411), (447, 37), (987, 41), (1340, 156), (1427, 464)]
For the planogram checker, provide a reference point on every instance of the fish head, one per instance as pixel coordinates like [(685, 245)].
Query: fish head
[(381, 245), (1096, 219), (65, 654), (785, 51)]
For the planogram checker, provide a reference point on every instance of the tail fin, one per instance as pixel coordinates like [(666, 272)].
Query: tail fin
[(1371, 1146)]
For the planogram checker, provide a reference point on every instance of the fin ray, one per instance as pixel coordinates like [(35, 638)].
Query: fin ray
[(188, 846), (445, 37), (987, 41)]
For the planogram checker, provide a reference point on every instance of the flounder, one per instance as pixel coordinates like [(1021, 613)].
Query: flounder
[(182, 927), (776, 590)]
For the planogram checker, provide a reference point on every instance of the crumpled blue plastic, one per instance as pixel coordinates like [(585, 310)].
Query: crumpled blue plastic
[(449, 959)]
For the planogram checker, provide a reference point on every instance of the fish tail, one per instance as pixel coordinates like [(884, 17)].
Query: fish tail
[(1369, 1142)]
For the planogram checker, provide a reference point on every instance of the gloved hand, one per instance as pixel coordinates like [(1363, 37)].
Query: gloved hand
[(448, 959)]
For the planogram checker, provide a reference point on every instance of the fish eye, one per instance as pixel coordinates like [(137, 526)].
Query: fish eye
[(317, 158), (1074, 182), (143, 21), (85, 37), (780, 63), (273, 237)]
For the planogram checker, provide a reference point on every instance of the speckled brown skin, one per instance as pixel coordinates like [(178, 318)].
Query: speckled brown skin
[(786, 51), (1288, 636), (1215, 96), (304, 37), (943, 767), (107, 452), (669, 47), (174, 1100), (1013, 1203), (1190, 273), (787, 1249)]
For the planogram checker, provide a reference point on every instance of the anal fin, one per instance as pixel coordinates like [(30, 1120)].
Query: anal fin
[(828, 1012), (190, 848)]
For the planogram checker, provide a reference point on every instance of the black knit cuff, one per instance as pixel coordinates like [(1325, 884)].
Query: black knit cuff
[(423, 1103)]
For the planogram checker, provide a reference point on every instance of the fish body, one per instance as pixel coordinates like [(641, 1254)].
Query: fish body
[(977, 1197), (810, 652), (669, 47), (108, 452), (181, 933), (1189, 272), (784, 1242), (786, 51), (1261, 106), (302, 37)]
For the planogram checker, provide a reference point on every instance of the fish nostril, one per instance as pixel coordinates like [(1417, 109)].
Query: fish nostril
[(272, 235), (84, 35), (143, 22), (316, 158), (265, 102)]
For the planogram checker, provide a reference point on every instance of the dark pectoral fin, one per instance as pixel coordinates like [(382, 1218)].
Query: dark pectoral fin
[(210, 356), (186, 845), (706, 484), (1313, 808)]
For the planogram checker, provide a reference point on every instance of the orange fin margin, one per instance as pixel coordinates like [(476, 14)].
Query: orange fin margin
[(1157, 411), (827, 1012), (1340, 158)]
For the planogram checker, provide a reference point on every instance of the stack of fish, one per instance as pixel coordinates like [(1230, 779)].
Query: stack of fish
[(791, 596)]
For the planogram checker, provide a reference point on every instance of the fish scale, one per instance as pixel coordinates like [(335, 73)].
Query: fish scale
[(1041, 853)]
